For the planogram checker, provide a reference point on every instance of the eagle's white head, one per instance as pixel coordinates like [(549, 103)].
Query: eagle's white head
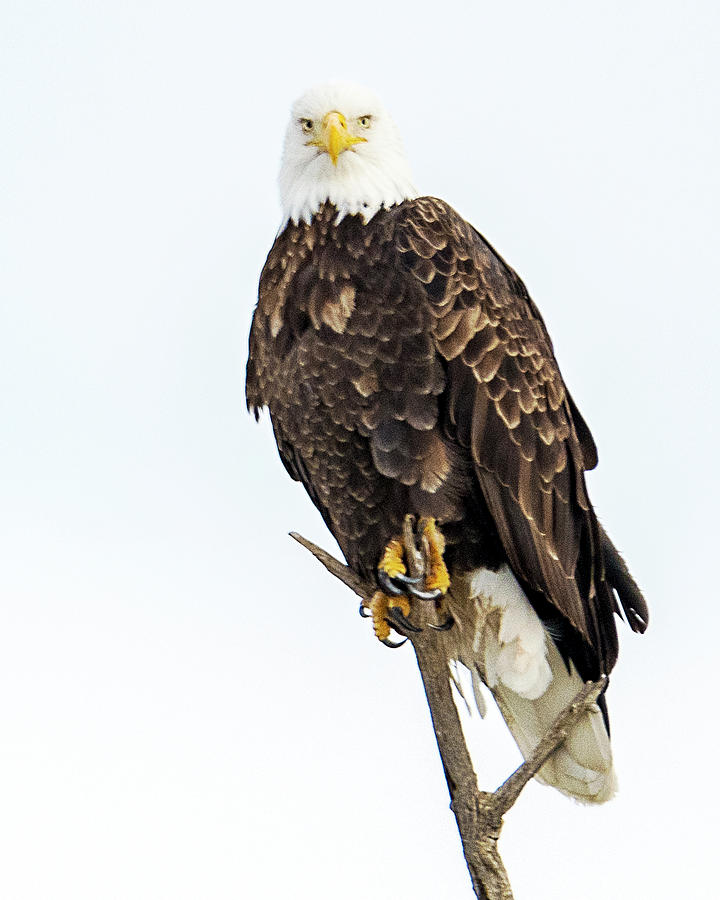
[(342, 146)]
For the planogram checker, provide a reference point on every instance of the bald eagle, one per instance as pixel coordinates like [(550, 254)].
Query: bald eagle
[(407, 370)]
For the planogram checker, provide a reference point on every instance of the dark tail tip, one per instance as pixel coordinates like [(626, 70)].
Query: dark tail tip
[(618, 576)]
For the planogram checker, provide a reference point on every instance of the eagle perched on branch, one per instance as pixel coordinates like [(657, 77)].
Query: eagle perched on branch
[(407, 371)]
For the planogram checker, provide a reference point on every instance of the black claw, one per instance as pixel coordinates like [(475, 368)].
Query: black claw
[(363, 610), (446, 625), (398, 617), (387, 585), (425, 595), (393, 645), (407, 579), (395, 585)]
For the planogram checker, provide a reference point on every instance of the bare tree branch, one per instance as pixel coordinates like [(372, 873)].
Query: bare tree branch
[(478, 814)]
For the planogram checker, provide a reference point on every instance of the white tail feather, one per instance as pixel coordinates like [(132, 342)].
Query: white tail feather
[(520, 664)]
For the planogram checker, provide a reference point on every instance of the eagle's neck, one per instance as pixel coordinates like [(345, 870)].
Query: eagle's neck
[(358, 185)]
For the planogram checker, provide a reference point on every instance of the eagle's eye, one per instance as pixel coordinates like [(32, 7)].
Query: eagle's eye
[(306, 125), (365, 121)]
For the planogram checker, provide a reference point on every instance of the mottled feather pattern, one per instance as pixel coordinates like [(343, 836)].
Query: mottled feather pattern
[(526, 451), (406, 369), (351, 377)]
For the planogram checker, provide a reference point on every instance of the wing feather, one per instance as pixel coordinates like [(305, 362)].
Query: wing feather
[(506, 401)]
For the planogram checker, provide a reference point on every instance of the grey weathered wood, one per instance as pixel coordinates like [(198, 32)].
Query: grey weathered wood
[(479, 814)]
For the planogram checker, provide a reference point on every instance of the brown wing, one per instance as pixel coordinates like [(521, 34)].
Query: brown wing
[(507, 404)]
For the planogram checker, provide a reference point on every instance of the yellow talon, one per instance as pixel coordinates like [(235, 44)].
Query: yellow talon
[(392, 565), (378, 611), (437, 576), (379, 608), (400, 602), (392, 559)]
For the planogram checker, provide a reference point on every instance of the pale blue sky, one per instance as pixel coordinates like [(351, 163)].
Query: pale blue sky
[(189, 706)]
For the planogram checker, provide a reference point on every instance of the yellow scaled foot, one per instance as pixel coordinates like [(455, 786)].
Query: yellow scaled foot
[(437, 576), (391, 605), (380, 607), (392, 562)]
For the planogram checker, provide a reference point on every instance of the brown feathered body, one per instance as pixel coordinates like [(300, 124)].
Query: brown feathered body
[(406, 369)]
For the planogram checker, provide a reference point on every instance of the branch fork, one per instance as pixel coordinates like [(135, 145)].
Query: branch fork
[(479, 814)]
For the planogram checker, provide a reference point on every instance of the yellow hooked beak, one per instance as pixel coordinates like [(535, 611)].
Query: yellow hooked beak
[(335, 137)]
